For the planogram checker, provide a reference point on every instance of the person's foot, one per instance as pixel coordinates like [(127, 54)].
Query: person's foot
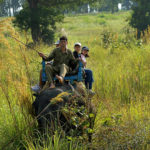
[(46, 86), (91, 93), (35, 88), (52, 86), (61, 80)]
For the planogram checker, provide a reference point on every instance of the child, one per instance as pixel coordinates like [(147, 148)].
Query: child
[(89, 75), (77, 49)]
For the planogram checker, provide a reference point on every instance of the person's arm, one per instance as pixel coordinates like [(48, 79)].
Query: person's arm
[(42, 55), (49, 58), (83, 59), (73, 59)]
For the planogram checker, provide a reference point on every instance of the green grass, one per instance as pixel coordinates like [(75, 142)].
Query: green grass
[(121, 68)]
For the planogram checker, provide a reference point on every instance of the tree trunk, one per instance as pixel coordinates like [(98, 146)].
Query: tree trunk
[(13, 8), (9, 12), (143, 32), (9, 5), (35, 32), (138, 34), (112, 7), (128, 4), (35, 28)]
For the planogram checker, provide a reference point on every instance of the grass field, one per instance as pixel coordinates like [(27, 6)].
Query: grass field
[(121, 67)]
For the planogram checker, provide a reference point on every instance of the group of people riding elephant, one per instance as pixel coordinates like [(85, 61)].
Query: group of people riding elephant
[(64, 60)]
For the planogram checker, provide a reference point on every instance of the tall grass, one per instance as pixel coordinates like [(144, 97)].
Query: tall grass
[(18, 71), (121, 68)]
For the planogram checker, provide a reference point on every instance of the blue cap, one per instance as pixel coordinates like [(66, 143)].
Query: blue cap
[(85, 48)]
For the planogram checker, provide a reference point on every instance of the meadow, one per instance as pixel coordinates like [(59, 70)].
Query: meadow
[(121, 67)]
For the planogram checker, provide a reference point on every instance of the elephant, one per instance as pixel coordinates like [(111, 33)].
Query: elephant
[(48, 110)]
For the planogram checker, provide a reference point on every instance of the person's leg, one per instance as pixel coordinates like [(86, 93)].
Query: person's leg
[(86, 84), (90, 85), (89, 81), (89, 78), (86, 79), (63, 71)]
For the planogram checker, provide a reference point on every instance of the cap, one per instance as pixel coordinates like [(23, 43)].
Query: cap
[(57, 42), (77, 44), (63, 38), (85, 48)]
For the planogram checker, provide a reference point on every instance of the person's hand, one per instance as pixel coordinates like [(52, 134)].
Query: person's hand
[(41, 54), (80, 59)]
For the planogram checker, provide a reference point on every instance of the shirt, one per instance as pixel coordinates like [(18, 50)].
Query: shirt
[(75, 54), (83, 59), (61, 58)]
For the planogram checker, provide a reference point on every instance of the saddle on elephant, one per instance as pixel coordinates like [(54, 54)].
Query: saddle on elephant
[(75, 74)]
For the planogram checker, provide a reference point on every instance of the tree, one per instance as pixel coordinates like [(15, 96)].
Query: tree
[(113, 4), (15, 4), (41, 16), (9, 7), (141, 16), (107, 5), (127, 4), (3, 11), (41, 22)]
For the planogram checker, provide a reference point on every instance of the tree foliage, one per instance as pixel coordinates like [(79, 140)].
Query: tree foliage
[(107, 5), (41, 22), (10, 7), (126, 4), (41, 16), (141, 16)]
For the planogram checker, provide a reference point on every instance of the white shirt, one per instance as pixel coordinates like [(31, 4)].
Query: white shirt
[(83, 59)]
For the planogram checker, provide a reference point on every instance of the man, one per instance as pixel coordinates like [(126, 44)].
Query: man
[(62, 57), (77, 49), (48, 63), (39, 86)]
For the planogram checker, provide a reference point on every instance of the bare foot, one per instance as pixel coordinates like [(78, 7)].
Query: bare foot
[(52, 86), (61, 80)]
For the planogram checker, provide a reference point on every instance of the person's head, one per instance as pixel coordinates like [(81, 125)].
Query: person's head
[(57, 43), (77, 47), (85, 51), (63, 42)]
